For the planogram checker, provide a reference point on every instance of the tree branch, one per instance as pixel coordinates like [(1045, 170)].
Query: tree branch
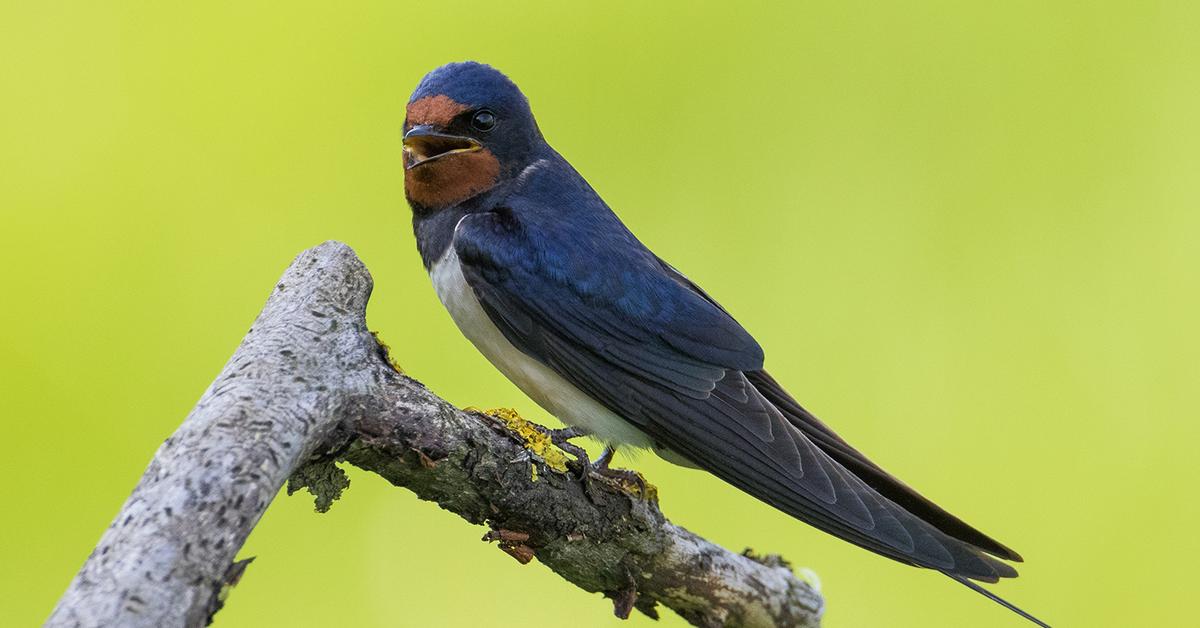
[(309, 386)]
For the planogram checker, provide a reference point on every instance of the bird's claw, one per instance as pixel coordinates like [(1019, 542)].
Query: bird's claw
[(562, 439), (628, 479)]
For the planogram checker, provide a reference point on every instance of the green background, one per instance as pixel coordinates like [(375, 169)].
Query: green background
[(966, 236)]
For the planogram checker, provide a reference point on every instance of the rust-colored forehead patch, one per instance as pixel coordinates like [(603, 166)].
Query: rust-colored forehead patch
[(436, 110)]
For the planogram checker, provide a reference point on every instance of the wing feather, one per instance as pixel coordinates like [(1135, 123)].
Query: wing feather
[(661, 354)]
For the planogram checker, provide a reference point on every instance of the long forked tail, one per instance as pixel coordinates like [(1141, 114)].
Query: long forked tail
[(996, 598)]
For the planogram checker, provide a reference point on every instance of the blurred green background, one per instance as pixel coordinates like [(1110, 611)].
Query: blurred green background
[(967, 236)]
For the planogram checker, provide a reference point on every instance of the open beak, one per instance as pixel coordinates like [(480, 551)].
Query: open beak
[(423, 143)]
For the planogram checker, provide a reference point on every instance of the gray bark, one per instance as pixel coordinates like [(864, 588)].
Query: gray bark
[(310, 386)]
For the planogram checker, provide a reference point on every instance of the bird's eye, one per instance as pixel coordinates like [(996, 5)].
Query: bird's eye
[(483, 120)]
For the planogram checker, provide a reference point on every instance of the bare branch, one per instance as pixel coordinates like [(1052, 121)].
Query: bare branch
[(310, 386)]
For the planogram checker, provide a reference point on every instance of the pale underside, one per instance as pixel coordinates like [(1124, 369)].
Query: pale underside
[(546, 387)]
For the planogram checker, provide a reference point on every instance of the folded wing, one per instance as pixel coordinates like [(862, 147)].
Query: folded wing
[(622, 327)]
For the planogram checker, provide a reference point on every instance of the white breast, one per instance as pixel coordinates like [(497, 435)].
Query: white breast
[(553, 393)]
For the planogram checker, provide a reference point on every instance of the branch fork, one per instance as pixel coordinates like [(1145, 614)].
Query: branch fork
[(310, 386)]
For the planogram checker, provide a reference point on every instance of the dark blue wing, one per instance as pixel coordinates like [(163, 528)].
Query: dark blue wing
[(588, 300), (854, 461)]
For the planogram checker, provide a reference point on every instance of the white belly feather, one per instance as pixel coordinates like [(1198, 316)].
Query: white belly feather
[(553, 393)]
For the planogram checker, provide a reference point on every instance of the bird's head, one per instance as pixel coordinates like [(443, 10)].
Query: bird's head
[(467, 128)]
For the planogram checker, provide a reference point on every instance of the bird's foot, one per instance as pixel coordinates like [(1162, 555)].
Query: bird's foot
[(628, 479), (537, 439), (537, 436), (587, 469), (562, 439)]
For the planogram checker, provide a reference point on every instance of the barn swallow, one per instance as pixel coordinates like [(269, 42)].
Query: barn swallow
[(566, 302)]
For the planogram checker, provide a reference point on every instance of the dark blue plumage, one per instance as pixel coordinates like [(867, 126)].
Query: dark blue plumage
[(545, 279)]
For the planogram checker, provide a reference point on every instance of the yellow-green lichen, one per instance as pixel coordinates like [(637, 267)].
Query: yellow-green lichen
[(534, 437), (386, 352), (634, 487)]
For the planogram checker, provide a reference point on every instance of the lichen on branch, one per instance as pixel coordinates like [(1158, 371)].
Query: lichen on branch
[(310, 387)]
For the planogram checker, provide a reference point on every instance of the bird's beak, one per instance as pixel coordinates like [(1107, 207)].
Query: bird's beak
[(423, 143)]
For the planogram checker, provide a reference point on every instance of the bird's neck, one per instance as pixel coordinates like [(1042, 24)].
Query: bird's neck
[(434, 232), (434, 226)]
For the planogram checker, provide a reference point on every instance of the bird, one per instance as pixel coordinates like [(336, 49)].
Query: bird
[(540, 274)]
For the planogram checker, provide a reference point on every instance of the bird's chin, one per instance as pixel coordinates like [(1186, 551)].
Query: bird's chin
[(450, 177), (423, 149)]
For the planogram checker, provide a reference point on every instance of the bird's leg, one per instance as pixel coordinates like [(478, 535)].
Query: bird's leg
[(561, 436), (561, 439), (600, 467), (605, 458), (625, 475)]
